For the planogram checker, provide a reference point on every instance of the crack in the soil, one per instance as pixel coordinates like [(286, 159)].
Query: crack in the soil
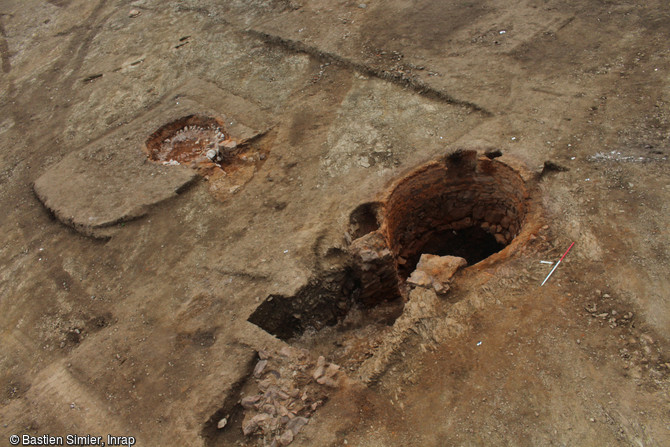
[(4, 49), (416, 85)]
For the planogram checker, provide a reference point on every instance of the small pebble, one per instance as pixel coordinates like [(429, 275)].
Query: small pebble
[(286, 438), (260, 367), (229, 144), (134, 13)]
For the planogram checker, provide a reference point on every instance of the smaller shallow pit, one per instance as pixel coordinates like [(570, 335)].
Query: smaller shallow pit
[(365, 219), (203, 144), (191, 139)]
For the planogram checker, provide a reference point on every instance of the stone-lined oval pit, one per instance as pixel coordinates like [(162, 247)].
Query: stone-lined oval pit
[(203, 143), (193, 139)]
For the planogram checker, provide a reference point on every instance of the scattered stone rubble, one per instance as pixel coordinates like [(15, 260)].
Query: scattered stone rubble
[(612, 317), (602, 308), (288, 387), (640, 354)]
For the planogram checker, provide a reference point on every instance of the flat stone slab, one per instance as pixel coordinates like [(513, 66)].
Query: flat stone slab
[(111, 181), (441, 268), (436, 271)]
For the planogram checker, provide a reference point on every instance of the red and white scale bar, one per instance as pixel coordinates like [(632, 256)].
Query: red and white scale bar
[(559, 261)]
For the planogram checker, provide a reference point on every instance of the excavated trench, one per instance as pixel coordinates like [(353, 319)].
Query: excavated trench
[(462, 205), (322, 302)]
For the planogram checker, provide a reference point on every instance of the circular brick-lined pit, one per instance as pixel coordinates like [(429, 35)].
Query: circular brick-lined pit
[(191, 139), (464, 206)]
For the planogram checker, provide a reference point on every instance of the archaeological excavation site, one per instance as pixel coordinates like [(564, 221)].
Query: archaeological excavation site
[(376, 224)]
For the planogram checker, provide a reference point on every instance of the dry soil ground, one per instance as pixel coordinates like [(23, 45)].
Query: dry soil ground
[(126, 286)]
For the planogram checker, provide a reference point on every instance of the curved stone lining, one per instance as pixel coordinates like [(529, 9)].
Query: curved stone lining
[(193, 138), (462, 205)]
